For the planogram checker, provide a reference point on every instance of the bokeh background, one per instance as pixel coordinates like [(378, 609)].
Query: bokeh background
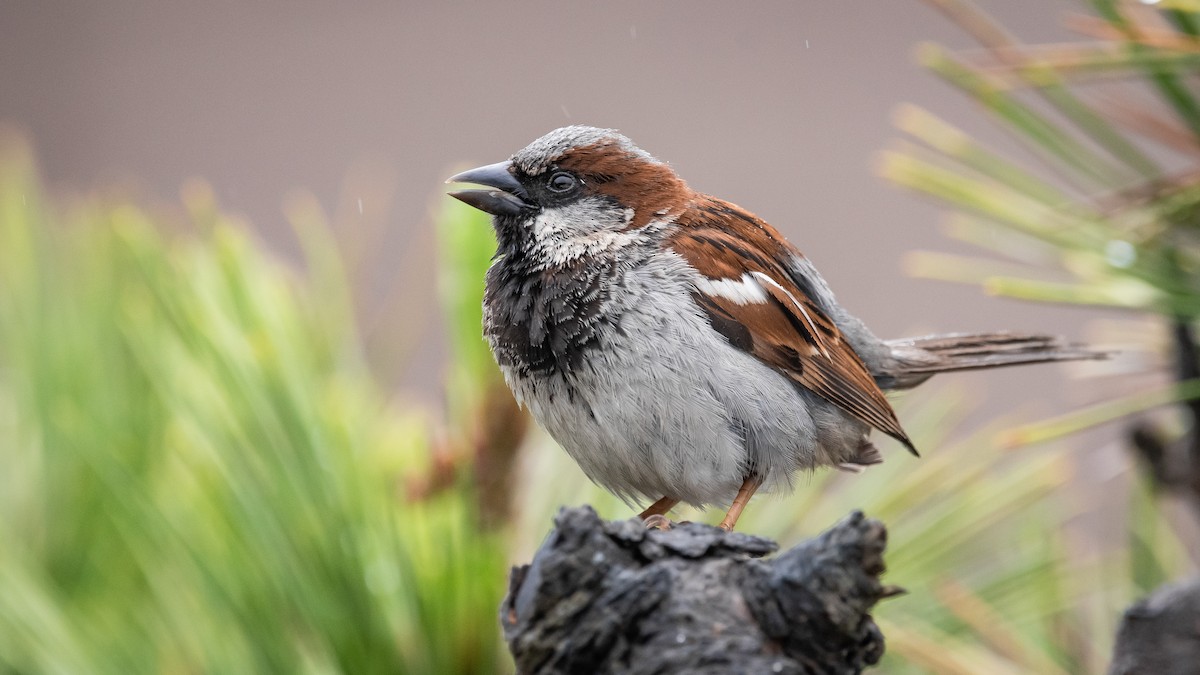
[(247, 420), (780, 107)]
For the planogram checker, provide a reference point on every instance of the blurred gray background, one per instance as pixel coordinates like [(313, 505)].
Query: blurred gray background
[(778, 106)]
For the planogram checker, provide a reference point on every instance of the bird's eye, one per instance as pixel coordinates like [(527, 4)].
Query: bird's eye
[(561, 181)]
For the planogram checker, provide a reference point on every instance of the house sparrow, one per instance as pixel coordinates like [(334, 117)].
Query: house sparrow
[(676, 345)]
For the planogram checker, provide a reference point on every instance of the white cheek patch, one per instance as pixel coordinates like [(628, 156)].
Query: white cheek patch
[(578, 219), (586, 227), (743, 291), (549, 223)]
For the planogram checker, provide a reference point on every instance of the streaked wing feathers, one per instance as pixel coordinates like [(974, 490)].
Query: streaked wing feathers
[(753, 300)]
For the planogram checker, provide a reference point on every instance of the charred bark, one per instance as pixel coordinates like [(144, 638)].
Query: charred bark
[(609, 597)]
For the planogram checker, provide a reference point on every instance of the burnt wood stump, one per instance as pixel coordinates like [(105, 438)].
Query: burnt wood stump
[(614, 597)]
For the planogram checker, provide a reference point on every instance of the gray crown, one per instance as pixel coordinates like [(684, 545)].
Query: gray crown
[(545, 151)]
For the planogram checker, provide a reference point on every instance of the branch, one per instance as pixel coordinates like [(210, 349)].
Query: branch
[(607, 597), (1187, 366)]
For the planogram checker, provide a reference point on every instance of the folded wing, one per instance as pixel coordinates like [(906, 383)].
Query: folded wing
[(750, 297)]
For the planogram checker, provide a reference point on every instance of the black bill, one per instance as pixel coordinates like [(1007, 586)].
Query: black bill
[(504, 200)]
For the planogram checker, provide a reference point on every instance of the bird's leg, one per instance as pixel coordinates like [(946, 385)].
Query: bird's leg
[(751, 484), (653, 515), (659, 507)]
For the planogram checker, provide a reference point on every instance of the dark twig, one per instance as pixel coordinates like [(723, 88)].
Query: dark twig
[(1187, 364), (609, 597), (1174, 465)]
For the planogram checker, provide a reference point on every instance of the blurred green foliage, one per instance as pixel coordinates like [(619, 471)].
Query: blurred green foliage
[(1104, 215), (1101, 221), (199, 474), (465, 248), (1107, 216)]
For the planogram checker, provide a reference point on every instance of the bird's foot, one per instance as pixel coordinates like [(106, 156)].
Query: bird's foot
[(658, 521)]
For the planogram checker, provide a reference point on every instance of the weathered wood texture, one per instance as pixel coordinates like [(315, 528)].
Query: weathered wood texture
[(614, 597)]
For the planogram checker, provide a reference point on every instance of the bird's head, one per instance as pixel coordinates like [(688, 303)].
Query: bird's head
[(575, 190)]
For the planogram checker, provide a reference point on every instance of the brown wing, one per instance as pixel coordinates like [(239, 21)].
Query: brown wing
[(752, 299)]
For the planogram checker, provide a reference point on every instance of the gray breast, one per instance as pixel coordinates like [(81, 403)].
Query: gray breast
[(640, 390)]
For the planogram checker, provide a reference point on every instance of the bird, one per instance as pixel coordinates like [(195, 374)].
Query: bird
[(677, 346)]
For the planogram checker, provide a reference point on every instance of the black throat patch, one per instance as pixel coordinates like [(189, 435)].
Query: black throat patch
[(543, 321)]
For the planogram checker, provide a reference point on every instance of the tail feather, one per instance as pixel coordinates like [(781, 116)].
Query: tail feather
[(914, 360)]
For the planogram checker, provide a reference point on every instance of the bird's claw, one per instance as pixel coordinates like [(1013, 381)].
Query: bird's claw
[(658, 521)]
